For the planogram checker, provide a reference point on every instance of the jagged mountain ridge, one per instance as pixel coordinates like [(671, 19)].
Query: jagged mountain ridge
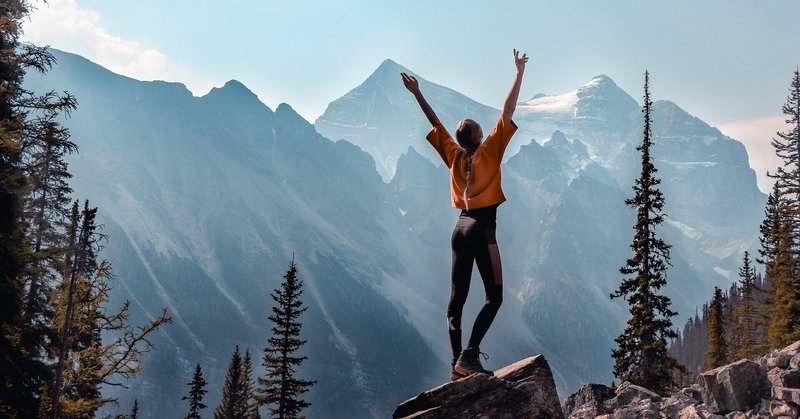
[(210, 196)]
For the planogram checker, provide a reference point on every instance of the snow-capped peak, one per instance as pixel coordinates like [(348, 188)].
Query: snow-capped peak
[(543, 104)]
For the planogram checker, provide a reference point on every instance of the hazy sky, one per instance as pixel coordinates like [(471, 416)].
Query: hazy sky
[(728, 62)]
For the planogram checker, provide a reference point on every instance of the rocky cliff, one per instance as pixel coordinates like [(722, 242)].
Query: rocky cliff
[(768, 387)]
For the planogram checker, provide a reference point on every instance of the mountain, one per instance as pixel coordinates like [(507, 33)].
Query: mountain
[(205, 199), (382, 118)]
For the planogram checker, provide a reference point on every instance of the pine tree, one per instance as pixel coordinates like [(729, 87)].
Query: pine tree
[(745, 324), (248, 392), (197, 389), (84, 360), (233, 404), (23, 372), (717, 347), (46, 211), (280, 387), (642, 357), (769, 238), (783, 224)]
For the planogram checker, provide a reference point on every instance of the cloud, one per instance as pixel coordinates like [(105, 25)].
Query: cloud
[(65, 25), (756, 135)]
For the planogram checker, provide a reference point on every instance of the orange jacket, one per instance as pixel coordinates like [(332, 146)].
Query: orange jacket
[(485, 188)]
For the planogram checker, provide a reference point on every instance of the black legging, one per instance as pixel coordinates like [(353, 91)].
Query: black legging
[(474, 240)]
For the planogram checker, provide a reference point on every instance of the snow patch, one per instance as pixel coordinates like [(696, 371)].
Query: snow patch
[(685, 229), (550, 104), (724, 272)]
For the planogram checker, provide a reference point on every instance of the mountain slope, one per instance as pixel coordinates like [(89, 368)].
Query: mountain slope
[(205, 200)]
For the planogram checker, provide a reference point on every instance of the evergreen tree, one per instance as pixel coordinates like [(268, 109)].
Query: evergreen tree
[(717, 347), (233, 404), (642, 357), (84, 361), (22, 371), (280, 387), (745, 324), (197, 389), (248, 392), (783, 224), (46, 211)]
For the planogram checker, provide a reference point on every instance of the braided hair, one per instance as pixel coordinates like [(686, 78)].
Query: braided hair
[(465, 136)]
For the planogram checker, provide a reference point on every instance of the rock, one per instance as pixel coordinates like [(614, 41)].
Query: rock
[(784, 378), (588, 401), (782, 408), (642, 409), (779, 360), (792, 349), (627, 394), (525, 389), (673, 405), (693, 392), (794, 363), (697, 412), (738, 386), (786, 394)]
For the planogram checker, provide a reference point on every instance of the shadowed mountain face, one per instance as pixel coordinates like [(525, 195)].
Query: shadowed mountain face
[(205, 200)]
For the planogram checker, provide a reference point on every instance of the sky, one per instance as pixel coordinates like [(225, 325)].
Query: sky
[(728, 62)]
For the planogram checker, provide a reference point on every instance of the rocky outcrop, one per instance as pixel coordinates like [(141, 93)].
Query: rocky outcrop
[(766, 388), (588, 401), (524, 389), (734, 387)]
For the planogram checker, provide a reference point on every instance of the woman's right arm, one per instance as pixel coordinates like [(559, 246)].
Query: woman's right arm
[(413, 86)]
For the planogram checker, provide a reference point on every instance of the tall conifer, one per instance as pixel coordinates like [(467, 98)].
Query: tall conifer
[(197, 390), (280, 387), (641, 356), (23, 374), (717, 346), (233, 404), (746, 316), (249, 389), (783, 239)]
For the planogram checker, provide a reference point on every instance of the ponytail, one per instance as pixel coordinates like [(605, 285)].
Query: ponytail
[(465, 137), (468, 171)]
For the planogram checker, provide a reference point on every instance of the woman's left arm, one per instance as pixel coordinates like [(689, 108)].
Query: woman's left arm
[(511, 101)]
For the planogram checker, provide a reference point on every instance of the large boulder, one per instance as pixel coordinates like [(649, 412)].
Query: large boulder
[(734, 387), (629, 394), (588, 401), (525, 389)]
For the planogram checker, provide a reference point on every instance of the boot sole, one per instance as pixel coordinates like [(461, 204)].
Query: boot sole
[(461, 370), (454, 377)]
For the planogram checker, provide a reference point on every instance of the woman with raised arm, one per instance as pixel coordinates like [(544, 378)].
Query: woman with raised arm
[(475, 189)]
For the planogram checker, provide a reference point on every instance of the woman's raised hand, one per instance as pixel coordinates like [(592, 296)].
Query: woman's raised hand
[(520, 61), (410, 82)]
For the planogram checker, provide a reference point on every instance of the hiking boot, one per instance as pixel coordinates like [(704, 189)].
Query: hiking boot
[(469, 362), (455, 375)]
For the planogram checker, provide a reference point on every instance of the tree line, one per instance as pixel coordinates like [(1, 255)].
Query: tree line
[(757, 313), (61, 343)]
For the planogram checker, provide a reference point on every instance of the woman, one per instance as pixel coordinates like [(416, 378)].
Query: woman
[(475, 189)]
